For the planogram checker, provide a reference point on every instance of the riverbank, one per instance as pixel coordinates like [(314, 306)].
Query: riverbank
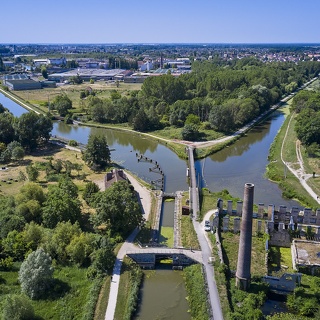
[(202, 148), (287, 169)]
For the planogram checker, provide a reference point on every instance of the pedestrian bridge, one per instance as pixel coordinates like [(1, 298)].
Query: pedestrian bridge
[(148, 257)]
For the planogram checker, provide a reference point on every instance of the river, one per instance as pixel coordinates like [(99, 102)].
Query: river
[(245, 161)]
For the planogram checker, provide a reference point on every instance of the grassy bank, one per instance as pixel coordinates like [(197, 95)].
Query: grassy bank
[(276, 171), (102, 301), (130, 281), (197, 296)]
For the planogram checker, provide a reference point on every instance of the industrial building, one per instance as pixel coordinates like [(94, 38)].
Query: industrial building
[(21, 82), (86, 74)]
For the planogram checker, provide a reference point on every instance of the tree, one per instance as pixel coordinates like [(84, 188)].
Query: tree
[(36, 274), (44, 72), (140, 122), (33, 235), (17, 307), (97, 153), (17, 153), (13, 151), (103, 261), (32, 172), (190, 132), (118, 208), (62, 104), (31, 191), (22, 176), (307, 126), (192, 119), (68, 186), (60, 206), (7, 133), (76, 79), (29, 202), (90, 190), (14, 245), (32, 129), (80, 248), (60, 238), (9, 219)]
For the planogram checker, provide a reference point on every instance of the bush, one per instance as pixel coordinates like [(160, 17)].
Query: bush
[(17, 307), (6, 264), (73, 143)]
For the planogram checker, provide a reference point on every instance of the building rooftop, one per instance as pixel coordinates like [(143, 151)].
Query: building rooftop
[(89, 73), (307, 252)]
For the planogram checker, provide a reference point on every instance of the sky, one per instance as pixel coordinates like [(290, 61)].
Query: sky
[(165, 21)]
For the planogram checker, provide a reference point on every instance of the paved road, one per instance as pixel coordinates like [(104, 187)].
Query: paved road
[(204, 245)]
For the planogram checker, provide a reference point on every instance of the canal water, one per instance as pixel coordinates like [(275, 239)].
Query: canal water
[(245, 161), (163, 296)]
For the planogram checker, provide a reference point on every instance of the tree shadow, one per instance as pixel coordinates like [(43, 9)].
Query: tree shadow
[(58, 289), (163, 239)]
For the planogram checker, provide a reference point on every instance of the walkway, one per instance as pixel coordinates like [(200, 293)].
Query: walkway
[(300, 172), (145, 199), (205, 245)]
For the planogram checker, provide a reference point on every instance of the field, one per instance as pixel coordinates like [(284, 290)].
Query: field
[(41, 98), (12, 172)]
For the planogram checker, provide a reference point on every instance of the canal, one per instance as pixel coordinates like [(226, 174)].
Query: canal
[(245, 161)]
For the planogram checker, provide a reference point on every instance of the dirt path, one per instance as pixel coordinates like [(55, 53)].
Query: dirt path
[(300, 172)]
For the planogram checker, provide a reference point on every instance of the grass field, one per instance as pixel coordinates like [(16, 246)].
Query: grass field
[(69, 305), (41, 98)]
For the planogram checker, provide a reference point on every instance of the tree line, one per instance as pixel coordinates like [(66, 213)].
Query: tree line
[(223, 96), (19, 135), (307, 106)]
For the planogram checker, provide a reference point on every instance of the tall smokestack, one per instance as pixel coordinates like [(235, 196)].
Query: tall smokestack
[(243, 275)]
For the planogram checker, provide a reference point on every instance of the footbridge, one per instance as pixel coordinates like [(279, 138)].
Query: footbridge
[(181, 257)]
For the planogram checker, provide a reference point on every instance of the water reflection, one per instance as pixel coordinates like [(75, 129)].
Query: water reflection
[(231, 168), (246, 161), (256, 135), (163, 296)]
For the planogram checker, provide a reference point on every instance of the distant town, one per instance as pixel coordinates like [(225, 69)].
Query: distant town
[(131, 63)]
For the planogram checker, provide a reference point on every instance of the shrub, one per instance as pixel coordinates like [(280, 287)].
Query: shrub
[(73, 143), (17, 307)]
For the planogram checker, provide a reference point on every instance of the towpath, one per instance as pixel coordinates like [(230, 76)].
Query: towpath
[(145, 200)]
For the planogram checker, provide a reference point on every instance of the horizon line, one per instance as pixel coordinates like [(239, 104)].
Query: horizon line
[(160, 43)]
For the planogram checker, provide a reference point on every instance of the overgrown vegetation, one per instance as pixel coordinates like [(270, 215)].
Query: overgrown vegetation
[(197, 295), (130, 281), (50, 213), (276, 171)]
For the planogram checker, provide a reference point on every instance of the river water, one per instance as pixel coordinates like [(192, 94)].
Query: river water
[(245, 161)]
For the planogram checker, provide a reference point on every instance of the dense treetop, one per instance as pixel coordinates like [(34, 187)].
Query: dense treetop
[(224, 95)]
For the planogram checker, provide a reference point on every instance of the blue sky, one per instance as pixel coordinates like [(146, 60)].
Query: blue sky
[(153, 21)]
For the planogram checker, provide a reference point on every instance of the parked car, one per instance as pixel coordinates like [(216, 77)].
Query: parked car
[(207, 226)]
